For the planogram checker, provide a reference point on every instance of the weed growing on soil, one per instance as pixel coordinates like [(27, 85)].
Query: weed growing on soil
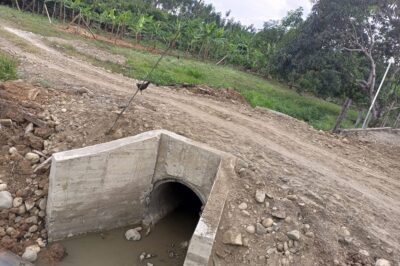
[(8, 67)]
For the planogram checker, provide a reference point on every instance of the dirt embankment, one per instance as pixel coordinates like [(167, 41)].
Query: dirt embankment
[(322, 199)]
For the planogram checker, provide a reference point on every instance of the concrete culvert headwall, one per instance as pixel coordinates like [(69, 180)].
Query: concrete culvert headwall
[(138, 179)]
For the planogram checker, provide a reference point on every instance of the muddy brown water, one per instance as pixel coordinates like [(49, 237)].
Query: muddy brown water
[(164, 243)]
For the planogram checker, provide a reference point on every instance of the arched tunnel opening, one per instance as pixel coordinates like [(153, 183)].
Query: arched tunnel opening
[(174, 198), (176, 208)]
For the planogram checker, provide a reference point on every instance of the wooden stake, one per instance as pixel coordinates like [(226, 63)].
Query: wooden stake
[(16, 3), (222, 60), (342, 115), (47, 12)]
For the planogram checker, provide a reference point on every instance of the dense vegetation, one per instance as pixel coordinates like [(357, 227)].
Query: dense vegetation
[(340, 51), (7, 67)]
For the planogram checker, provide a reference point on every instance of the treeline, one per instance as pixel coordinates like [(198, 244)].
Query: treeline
[(340, 52)]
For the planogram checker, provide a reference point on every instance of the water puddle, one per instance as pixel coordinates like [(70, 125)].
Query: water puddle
[(166, 244)]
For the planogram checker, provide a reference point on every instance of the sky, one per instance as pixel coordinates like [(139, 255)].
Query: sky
[(258, 11)]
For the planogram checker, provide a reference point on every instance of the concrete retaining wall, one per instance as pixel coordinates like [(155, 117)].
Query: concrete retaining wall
[(109, 185)]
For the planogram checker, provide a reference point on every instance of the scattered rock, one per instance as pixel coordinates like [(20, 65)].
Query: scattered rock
[(260, 229), (3, 187), (344, 231), (382, 262), (294, 235), (232, 238), (29, 204), (260, 196), (30, 253), (309, 234), (38, 192), (29, 128), (183, 244), (35, 142), (44, 132), (268, 222), (42, 204), (250, 229), (17, 202), (348, 239), (21, 210), (41, 243), (13, 151), (133, 235), (32, 157), (33, 228), (280, 214), (12, 232), (363, 252), (292, 197), (6, 200), (280, 247), (243, 206), (31, 220)]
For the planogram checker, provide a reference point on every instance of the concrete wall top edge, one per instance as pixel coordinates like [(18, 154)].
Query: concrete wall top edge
[(104, 147), (115, 144), (195, 143)]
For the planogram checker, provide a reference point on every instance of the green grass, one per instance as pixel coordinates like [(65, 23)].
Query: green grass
[(8, 67), (258, 91)]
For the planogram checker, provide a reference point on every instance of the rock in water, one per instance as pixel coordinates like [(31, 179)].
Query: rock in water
[(382, 262), (132, 235), (260, 196), (6, 200), (232, 238), (294, 235)]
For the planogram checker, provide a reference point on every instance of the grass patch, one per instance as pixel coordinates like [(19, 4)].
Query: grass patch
[(172, 70), (8, 67)]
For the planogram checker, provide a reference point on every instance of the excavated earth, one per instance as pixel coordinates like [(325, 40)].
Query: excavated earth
[(302, 196)]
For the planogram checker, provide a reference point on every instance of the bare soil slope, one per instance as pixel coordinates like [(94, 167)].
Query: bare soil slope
[(341, 194)]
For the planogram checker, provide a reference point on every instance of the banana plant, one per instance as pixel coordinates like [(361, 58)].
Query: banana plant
[(137, 26)]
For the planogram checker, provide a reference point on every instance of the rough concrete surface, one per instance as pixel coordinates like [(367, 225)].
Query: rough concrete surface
[(109, 185)]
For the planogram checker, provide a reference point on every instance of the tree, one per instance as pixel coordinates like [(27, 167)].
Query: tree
[(361, 28)]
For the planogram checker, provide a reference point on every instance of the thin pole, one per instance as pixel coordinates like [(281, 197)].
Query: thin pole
[(365, 124), (47, 12), (145, 79)]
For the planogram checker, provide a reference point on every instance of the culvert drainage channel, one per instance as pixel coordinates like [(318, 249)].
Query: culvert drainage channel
[(166, 244)]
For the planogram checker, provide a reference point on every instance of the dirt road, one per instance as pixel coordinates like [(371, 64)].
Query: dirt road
[(338, 182)]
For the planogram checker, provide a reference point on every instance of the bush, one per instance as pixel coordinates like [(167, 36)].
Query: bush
[(8, 68)]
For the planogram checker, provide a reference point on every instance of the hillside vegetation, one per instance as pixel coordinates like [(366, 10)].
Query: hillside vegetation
[(173, 70)]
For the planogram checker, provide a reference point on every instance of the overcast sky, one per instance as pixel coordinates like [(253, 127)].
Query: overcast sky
[(258, 11)]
